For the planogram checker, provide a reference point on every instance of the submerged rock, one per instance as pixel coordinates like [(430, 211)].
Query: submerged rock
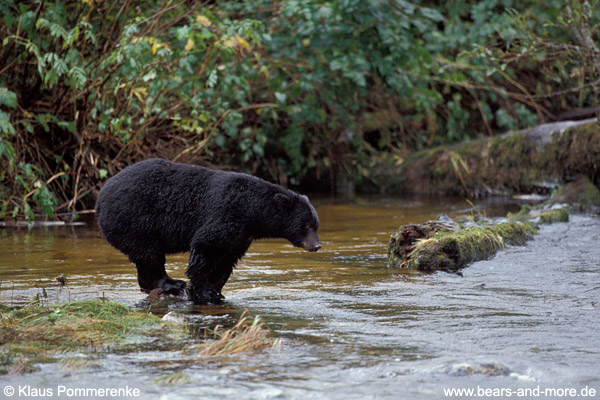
[(490, 369), (174, 318), (158, 296)]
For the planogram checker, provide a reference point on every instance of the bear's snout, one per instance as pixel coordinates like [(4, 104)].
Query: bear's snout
[(311, 242), (312, 247)]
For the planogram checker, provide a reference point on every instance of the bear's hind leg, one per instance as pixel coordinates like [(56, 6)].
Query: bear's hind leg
[(152, 275)]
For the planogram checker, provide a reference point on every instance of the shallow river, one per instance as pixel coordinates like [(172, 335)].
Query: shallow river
[(351, 328)]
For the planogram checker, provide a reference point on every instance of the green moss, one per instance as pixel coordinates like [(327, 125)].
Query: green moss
[(6, 360), (436, 246), (527, 213), (551, 216), (580, 194), (522, 215), (41, 330)]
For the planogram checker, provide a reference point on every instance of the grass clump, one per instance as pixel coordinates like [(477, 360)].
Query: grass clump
[(247, 335), (84, 324), (37, 333), (175, 378), (69, 364)]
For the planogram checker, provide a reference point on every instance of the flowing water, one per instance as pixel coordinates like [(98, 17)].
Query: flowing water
[(351, 328)]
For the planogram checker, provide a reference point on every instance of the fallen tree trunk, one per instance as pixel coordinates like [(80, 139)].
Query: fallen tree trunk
[(534, 160), (436, 246), (454, 249)]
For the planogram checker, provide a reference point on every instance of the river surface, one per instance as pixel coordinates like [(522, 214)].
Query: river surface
[(351, 328)]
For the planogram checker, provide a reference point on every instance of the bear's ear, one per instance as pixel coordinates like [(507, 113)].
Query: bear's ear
[(282, 200)]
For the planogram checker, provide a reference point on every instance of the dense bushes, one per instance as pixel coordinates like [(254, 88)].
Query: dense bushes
[(279, 89)]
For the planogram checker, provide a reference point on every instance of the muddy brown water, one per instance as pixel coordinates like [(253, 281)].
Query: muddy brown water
[(350, 327)]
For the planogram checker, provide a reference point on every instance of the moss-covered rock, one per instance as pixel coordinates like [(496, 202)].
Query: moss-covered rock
[(551, 216)]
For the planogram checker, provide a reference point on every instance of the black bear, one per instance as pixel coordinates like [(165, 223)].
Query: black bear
[(158, 207)]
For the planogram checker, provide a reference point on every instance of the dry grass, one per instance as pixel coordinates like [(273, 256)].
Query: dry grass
[(175, 378), (247, 335), (70, 364)]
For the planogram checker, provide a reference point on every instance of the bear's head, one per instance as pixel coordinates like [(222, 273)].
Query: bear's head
[(302, 221)]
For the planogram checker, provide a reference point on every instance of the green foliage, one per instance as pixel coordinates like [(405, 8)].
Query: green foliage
[(280, 89)]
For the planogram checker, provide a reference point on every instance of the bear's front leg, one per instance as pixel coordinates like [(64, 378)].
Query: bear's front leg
[(202, 266), (214, 253)]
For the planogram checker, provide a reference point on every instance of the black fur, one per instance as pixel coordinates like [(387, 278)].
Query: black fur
[(158, 207)]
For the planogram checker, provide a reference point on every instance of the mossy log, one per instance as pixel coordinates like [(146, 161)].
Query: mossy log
[(537, 160), (448, 249), (447, 246)]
